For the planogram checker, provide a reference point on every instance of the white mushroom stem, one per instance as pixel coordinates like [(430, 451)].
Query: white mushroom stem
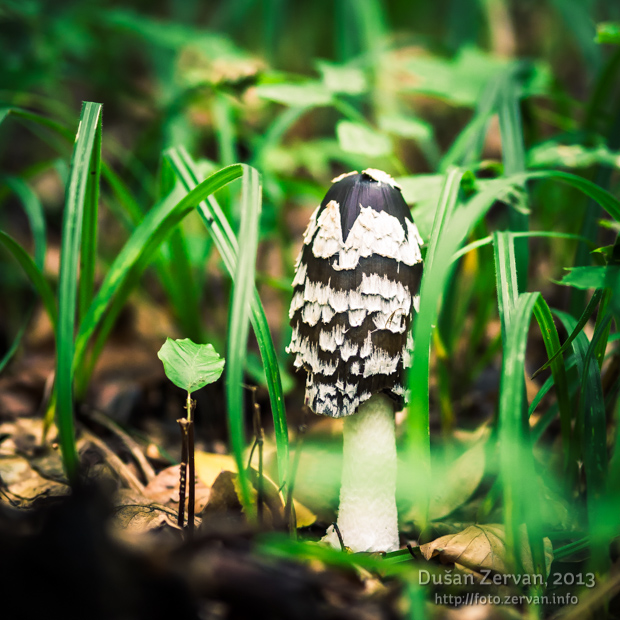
[(367, 517)]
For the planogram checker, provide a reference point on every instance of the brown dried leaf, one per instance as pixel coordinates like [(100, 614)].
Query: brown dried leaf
[(136, 514), (452, 485), (164, 489), (210, 466), (480, 547)]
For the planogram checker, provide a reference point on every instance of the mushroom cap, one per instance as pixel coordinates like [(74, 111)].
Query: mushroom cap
[(355, 291)]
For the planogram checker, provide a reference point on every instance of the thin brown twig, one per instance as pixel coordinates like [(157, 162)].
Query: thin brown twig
[(123, 472), (191, 503), (182, 471), (289, 509), (259, 435), (132, 446)]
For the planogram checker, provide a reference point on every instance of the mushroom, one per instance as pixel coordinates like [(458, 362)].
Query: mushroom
[(355, 291)]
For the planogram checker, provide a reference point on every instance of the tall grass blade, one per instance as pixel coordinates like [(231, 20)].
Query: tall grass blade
[(227, 246), (34, 275), (77, 189), (516, 458), (89, 227), (506, 278), (34, 211), (36, 219), (140, 248), (589, 437), (551, 340), (583, 319), (431, 289), (243, 287), (513, 156)]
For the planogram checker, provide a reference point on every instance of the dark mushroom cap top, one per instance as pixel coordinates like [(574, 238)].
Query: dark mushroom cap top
[(355, 291)]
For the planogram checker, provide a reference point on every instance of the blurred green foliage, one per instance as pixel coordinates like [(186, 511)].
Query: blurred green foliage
[(464, 101)]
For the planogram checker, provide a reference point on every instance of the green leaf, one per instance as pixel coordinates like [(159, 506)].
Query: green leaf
[(190, 366), (357, 138), (296, 95), (593, 277), (342, 78), (608, 32)]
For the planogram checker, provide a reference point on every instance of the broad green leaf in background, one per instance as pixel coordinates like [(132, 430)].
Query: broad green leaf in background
[(462, 78), (346, 79), (358, 138), (608, 32), (596, 277), (190, 366), (296, 95), (553, 154)]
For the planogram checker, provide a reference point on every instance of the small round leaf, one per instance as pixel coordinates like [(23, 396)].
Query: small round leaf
[(190, 366)]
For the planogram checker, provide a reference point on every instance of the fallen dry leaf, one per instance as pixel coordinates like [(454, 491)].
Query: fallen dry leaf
[(135, 514), (452, 484), (164, 489), (480, 547), (210, 466)]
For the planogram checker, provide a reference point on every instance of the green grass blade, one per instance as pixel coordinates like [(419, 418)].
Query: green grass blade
[(468, 145), (227, 246), (516, 458), (36, 219), (34, 275), (506, 277), (67, 287), (513, 156), (587, 313), (605, 199), (223, 120), (479, 243), (558, 370), (243, 287), (431, 289), (589, 437), (594, 449), (34, 211), (185, 294), (601, 347), (89, 228), (141, 246)]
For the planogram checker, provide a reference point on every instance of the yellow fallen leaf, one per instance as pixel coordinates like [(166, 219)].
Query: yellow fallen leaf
[(210, 465)]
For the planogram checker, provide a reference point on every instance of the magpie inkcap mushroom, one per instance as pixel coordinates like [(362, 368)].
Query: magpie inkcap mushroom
[(355, 293), (355, 290)]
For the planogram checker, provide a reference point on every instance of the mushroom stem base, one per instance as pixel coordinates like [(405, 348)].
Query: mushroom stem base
[(367, 517)]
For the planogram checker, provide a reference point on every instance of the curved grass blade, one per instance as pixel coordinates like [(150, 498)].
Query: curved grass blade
[(558, 370), (589, 438), (516, 458), (243, 287), (436, 269), (141, 246), (583, 319), (513, 157), (34, 211), (88, 256), (479, 243), (604, 198), (227, 246), (506, 277), (67, 287), (34, 275), (541, 426)]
